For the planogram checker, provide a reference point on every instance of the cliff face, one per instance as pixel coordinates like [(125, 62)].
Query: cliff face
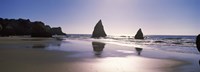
[(25, 27), (98, 30), (57, 31), (198, 42), (39, 30), (139, 34), (1, 27), (15, 27)]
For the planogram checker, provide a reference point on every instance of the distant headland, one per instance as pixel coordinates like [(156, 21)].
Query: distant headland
[(21, 27)]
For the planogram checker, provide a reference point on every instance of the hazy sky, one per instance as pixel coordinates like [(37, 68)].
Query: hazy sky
[(174, 17)]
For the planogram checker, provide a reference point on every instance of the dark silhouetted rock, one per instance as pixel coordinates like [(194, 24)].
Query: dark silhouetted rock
[(48, 28), (39, 30), (1, 27), (20, 27), (139, 34), (198, 42), (57, 31), (98, 30), (23, 26), (98, 47), (9, 30), (199, 62)]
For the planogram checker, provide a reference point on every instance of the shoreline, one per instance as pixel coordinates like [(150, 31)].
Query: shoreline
[(79, 55)]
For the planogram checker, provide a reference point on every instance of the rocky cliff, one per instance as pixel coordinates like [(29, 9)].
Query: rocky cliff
[(21, 27), (57, 31), (198, 42)]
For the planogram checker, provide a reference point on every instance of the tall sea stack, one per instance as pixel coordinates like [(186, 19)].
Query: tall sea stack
[(98, 31), (139, 34), (198, 42)]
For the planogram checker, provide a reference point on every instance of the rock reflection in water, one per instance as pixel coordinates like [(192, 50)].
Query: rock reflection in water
[(54, 43), (139, 50), (98, 48)]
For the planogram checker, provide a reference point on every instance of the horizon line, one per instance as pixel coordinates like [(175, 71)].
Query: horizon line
[(134, 34)]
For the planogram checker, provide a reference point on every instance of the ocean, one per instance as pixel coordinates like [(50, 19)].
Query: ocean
[(80, 52), (172, 43)]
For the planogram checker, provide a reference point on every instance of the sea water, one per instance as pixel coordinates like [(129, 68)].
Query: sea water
[(120, 53), (172, 43)]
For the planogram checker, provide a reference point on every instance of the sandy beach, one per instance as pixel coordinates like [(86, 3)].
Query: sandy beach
[(100, 36), (50, 55)]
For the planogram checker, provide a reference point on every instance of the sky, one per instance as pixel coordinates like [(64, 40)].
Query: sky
[(119, 17)]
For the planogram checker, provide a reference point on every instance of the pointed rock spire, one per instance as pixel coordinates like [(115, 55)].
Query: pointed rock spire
[(198, 42), (139, 34), (98, 30)]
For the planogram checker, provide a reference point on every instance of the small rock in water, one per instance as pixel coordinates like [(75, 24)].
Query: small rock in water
[(198, 42), (139, 34), (98, 30), (159, 42)]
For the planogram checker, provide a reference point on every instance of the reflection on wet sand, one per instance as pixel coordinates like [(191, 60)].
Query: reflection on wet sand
[(38, 46), (55, 43), (46, 44), (75, 56), (30, 43), (98, 47), (139, 50)]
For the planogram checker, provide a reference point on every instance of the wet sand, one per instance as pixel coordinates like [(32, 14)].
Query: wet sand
[(48, 55)]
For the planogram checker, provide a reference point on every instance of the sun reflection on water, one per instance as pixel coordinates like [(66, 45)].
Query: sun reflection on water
[(133, 64)]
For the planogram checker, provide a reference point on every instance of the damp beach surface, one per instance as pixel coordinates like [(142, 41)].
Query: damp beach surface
[(75, 55)]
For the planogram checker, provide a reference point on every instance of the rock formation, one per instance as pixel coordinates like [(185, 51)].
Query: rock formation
[(9, 30), (199, 62), (198, 42), (39, 30), (139, 34), (48, 28), (98, 30), (1, 27), (57, 31), (20, 27)]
